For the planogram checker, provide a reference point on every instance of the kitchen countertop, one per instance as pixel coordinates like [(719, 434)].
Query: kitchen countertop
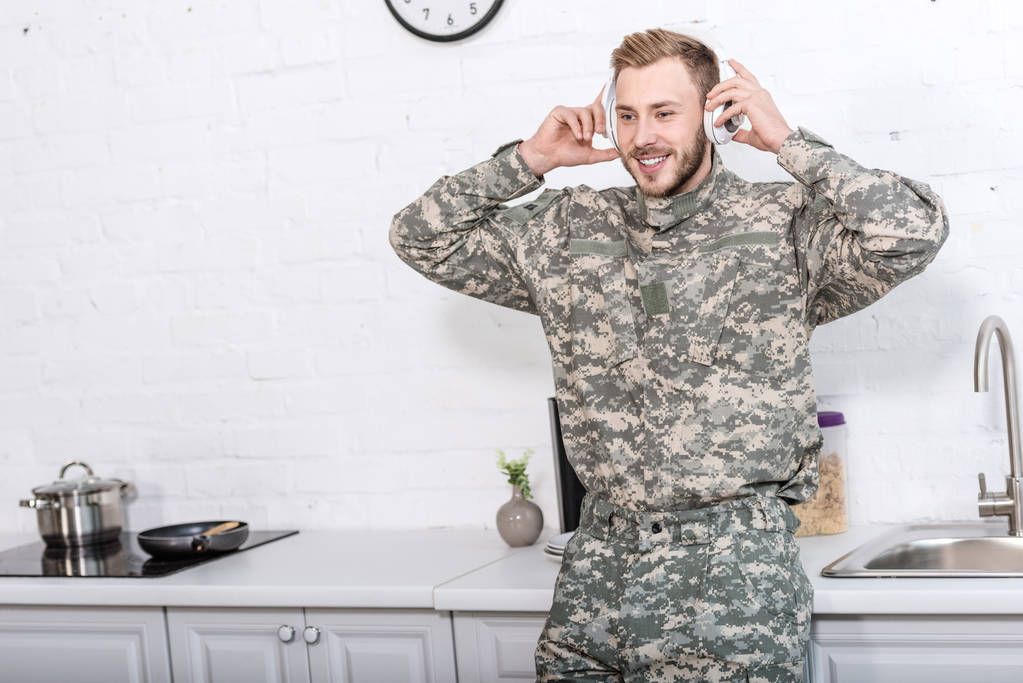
[(463, 570), (524, 582), (340, 568)]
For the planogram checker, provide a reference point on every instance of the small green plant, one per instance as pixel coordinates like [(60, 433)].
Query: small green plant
[(516, 471)]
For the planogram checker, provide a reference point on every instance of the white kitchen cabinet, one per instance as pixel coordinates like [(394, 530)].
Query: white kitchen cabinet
[(83, 644), (237, 645), (378, 645), (494, 647), (417, 609), (917, 649), (320, 645)]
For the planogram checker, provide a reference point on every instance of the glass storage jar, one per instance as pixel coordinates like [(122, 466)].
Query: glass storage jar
[(826, 512)]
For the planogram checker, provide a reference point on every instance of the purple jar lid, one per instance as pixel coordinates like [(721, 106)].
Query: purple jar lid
[(830, 418)]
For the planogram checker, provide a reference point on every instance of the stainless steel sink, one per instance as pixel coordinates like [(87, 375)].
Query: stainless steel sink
[(964, 549), (935, 550)]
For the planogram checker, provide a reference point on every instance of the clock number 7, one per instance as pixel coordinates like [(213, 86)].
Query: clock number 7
[(472, 8), (426, 12)]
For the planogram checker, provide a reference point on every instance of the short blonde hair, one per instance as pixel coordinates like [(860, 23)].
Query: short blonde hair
[(646, 47)]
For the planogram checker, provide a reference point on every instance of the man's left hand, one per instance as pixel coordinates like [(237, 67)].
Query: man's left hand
[(749, 98)]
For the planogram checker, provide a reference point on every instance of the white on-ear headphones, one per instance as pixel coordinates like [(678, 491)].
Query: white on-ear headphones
[(722, 135), (719, 135)]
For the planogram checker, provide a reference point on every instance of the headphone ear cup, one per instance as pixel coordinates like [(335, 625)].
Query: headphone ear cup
[(610, 120), (708, 124), (722, 135)]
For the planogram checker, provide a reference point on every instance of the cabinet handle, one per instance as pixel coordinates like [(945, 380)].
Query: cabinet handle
[(286, 633), (311, 635)]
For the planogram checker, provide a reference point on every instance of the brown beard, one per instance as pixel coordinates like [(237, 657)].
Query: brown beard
[(689, 163)]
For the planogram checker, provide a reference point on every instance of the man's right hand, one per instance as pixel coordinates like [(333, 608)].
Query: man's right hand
[(565, 138)]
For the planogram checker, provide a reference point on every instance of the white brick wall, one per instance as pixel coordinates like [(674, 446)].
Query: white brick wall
[(197, 292)]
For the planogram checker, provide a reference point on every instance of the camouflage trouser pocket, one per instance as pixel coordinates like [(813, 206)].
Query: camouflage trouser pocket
[(581, 633), (757, 599)]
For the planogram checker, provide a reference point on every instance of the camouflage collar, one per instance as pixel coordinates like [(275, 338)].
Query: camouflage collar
[(665, 212)]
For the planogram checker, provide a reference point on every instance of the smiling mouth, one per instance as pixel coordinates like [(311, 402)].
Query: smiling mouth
[(653, 161), (651, 165)]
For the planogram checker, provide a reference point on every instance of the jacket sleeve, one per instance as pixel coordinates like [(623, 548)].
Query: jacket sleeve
[(459, 235), (858, 232)]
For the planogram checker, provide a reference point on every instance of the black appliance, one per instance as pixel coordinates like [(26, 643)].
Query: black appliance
[(570, 489), (119, 558)]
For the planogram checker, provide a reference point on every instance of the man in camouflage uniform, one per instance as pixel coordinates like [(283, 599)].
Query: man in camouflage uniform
[(678, 314)]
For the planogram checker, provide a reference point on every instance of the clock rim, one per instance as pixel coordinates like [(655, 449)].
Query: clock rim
[(444, 38)]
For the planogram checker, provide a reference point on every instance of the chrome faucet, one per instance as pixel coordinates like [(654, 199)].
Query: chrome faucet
[(1009, 504)]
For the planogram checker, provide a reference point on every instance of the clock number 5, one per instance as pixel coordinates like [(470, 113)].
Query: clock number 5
[(472, 8)]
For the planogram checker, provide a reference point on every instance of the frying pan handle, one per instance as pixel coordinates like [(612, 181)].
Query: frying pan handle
[(202, 541)]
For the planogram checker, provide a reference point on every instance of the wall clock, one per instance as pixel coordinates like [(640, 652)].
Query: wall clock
[(443, 20)]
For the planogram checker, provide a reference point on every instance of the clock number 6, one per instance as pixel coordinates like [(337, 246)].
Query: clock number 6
[(450, 20)]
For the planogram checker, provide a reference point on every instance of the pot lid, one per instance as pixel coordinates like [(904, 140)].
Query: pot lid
[(82, 485)]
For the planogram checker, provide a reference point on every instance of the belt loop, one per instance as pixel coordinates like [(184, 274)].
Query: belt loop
[(713, 521), (585, 508), (588, 511), (706, 527), (761, 520), (601, 514)]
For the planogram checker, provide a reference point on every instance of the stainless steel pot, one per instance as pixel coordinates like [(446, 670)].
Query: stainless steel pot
[(77, 512)]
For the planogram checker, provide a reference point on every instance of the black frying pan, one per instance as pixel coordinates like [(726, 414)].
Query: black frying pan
[(195, 538)]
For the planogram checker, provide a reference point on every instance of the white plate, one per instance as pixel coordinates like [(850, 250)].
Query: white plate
[(555, 557), (558, 542)]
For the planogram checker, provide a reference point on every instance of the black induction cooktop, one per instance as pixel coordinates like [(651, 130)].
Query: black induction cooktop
[(122, 558)]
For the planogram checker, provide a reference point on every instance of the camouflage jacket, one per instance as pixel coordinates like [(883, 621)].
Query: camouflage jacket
[(679, 327)]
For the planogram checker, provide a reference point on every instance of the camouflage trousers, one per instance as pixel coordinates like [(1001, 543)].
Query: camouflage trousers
[(714, 593)]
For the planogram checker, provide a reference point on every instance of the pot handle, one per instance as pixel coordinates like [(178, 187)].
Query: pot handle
[(127, 489), (37, 503), (71, 464)]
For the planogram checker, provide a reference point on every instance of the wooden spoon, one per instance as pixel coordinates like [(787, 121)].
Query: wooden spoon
[(226, 526)]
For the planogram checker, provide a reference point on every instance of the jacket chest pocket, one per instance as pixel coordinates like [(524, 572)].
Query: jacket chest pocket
[(601, 324), (764, 334), (723, 309), (686, 304)]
